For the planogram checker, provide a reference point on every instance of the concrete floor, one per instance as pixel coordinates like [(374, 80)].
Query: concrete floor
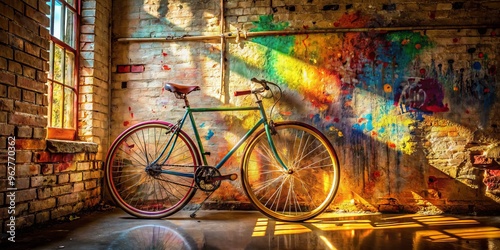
[(114, 229)]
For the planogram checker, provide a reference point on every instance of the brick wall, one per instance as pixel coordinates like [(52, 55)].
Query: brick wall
[(397, 153), (94, 74), (41, 179)]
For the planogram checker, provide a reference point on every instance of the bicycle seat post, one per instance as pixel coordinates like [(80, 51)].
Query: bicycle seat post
[(186, 101)]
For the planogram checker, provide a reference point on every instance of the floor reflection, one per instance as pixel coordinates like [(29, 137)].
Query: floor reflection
[(333, 231), (153, 237)]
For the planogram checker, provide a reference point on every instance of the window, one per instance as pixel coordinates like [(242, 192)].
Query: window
[(62, 78)]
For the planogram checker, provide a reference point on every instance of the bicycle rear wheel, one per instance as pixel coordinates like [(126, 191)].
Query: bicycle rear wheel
[(136, 185), (309, 185)]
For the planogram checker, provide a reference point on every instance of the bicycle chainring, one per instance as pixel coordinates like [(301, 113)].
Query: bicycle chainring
[(204, 178)]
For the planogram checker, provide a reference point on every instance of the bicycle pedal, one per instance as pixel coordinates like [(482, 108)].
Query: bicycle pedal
[(233, 177)]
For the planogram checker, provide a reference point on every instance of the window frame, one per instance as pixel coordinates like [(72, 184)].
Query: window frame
[(64, 133)]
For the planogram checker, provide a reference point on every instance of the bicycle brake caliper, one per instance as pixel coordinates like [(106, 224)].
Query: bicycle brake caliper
[(272, 127)]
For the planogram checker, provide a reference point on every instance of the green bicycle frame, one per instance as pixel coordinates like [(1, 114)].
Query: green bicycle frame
[(189, 114)]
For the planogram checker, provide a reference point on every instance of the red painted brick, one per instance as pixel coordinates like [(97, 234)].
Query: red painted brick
[(30, 144), (137, 68), (43, 156), (123, 68), (47, 169), (64, 167)]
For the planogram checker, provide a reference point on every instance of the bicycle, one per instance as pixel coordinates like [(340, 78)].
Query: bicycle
[(289, 169)]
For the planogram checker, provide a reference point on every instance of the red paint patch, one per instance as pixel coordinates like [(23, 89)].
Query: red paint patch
[(165, 67), (455, 40), (418, 46), (286, 113), (492, 70), (391, 144), (164, 54), (336, 24), (132, 115), (422, 71), (62, 166), (126, 123), (129, 109), (371, 56), (374, 134), (481, 54), (336, 119)]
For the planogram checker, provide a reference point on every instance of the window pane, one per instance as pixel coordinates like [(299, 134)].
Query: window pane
[(72, 3), (58, 21), (69, 98), (69, 36), (58, 63), (69, 69), (57, 105), (51, 61), (49, 3)]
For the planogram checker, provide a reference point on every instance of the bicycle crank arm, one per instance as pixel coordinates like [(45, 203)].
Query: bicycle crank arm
[(231, 177)]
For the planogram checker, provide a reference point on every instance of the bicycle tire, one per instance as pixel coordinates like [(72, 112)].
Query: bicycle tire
[(150, 195), (309, 185)]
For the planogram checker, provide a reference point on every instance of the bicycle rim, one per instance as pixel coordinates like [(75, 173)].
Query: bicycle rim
[(309, 185), (146, 194)]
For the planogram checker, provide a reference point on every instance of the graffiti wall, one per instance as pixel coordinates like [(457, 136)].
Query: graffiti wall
[(406, 110)]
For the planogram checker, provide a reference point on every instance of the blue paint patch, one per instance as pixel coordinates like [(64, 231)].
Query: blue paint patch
[(316, 118), (202, 125), (209, 135), (476, 65)]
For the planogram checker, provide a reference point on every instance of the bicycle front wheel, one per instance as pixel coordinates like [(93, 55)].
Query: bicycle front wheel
[(308, 185), (136, 184)]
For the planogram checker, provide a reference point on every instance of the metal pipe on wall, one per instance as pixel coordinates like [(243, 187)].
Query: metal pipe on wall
[(244, 34), (223, 87)]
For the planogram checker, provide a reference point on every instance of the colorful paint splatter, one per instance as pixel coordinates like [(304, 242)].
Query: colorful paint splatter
[(373, 79)]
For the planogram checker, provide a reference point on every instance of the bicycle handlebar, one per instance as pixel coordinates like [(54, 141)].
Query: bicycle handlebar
[(259, 90), (262, 82), (242, 92)]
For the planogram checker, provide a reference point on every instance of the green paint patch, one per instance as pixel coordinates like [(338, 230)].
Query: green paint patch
[(283, 44)]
